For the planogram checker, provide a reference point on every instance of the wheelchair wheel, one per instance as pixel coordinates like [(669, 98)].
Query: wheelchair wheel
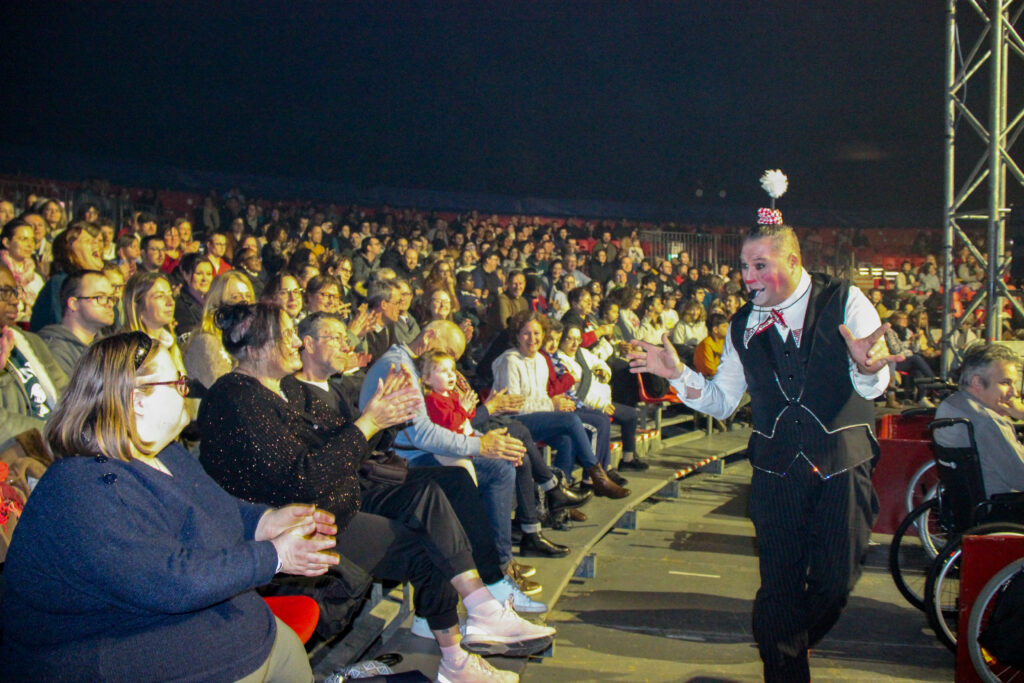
[(988, 668), (911, 552), (942, 589), (923, 486)]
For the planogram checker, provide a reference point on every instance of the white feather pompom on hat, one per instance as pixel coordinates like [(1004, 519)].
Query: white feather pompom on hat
[(775, 183)]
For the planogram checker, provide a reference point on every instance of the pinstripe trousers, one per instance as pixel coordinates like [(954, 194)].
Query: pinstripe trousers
[(812, 537)]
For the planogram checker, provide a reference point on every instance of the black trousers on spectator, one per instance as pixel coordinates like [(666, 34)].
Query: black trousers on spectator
[(812, 536), (410, 532)]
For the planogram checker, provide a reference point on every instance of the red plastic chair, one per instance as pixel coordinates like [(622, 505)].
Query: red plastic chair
[(300, 612), (646, 398)]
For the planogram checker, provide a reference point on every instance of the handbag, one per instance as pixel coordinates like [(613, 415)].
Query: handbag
[(384, 467)]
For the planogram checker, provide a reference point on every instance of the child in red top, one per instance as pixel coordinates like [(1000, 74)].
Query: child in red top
[(446, 406)]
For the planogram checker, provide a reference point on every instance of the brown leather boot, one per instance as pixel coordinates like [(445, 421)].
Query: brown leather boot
[(603, 486)]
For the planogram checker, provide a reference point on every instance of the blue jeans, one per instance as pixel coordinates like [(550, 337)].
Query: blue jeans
[(496, 481), (565, 434)]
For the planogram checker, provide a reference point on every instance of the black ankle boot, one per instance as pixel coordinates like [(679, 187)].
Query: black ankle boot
[(534, 544)]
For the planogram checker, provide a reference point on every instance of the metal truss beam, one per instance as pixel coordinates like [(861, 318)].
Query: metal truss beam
[(980, 138)]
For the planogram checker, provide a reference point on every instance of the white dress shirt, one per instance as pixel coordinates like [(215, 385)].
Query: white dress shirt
[(720, 395)]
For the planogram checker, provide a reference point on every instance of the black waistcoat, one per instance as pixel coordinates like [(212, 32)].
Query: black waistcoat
[(805, 408)]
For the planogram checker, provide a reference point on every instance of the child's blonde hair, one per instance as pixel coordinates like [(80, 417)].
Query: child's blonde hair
[(431, 359)]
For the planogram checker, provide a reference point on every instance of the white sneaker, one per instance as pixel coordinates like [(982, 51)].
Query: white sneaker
[(506, 633), (507, 589), (474, 670), (926, 402), (421, 629)]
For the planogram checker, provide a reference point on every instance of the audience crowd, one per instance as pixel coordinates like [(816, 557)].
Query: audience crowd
[(501, 333)]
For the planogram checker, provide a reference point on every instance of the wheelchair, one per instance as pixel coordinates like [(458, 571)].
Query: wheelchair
[(924, 557)]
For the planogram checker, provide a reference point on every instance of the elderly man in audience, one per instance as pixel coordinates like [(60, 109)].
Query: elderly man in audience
[(88, 299), (989, 398), (495, 454)]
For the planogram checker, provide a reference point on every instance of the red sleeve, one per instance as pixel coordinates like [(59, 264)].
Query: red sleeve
[(445, 411), (557, 384), (588, 339)]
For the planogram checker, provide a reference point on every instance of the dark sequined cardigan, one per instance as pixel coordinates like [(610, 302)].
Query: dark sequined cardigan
[(264, 449)]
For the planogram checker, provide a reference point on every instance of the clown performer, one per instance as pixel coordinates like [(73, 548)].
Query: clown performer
[(809, 349)]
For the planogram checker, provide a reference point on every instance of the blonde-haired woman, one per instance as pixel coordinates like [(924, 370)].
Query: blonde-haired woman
[(188, 555), (204, 355)]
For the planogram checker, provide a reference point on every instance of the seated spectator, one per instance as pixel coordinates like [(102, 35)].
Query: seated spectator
[(89, 301), (592, 390), (509, 301), (494, 454), (31, 381), (75, 249), (265, 438), (248, 261), (899, 343), (445, 406), (692, 327), (709, 351), (128, 253), (523, 371), (172, 248), (284, 290), (19, 245), (216, 252), (906, 280), (651, 327), (203, 354), (969, 273), (406, 328), (876, 300), (323, 295), (278, 249), (989, 398), (365, 261), (148, 302), (196, 272), (929, 281), (74, 609), (330, 365), (153, 253)]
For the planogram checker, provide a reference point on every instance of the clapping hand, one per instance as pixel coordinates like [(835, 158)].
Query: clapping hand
[(302, 536), (396, 400), (503, 402)]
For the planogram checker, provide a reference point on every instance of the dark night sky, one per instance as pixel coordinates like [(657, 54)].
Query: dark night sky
[(631, 101)]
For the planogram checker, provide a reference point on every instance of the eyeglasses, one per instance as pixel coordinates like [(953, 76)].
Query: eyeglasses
[(181, 384), (336, 339), (10, 294), (292, 293), (101, 299), (330, 297)]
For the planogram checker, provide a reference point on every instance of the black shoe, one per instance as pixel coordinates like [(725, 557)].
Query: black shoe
[(634, 464), (562, 498), (616, 477), (537, 545)]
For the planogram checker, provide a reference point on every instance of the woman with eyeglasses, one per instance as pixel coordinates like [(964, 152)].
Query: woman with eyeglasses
[(203, 354), (264, 437), (31, 380), (324, 296), (284, 290), (130, 563), (196, 273)]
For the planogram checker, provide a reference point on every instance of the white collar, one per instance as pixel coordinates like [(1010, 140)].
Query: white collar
[(793, 310)]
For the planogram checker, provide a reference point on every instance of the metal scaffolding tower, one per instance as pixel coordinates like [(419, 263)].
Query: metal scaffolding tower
[(990, 31)]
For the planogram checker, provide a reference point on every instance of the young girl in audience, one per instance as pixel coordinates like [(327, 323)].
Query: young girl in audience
[(446, 406)]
